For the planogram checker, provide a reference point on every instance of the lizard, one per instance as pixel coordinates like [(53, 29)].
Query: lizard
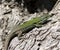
[(56, 4), (25, 27)]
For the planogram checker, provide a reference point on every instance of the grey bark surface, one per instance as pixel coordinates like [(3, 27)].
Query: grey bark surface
[(44, 38)]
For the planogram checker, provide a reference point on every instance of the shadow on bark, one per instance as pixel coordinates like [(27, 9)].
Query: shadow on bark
[(33, 5)]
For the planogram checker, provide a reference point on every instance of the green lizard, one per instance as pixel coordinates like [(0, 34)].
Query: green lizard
[(25, 27), (57, 2)]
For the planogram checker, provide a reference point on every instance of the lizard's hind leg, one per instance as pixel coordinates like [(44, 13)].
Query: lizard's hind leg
[(19, 34)]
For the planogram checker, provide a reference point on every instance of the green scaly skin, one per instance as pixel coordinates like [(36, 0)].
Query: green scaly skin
[(25, 27)]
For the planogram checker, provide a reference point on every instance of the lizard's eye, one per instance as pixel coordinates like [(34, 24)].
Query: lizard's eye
[(5, 5)]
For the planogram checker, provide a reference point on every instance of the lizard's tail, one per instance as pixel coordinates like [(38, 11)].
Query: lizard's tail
[(8, 39)]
